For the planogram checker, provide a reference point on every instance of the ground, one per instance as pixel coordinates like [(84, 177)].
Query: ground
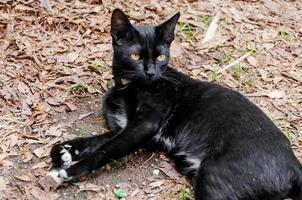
[(55, 66)]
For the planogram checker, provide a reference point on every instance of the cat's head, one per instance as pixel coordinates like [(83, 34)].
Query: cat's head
[(140, 52)]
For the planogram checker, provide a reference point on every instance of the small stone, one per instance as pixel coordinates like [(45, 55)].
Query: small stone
[(93, 133), (155, 172)]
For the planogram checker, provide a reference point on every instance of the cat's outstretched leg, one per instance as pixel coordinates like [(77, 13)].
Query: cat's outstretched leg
[(74, 150), (127, 141)]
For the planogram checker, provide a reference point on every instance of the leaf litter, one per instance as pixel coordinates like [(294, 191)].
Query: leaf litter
[(55, 59)]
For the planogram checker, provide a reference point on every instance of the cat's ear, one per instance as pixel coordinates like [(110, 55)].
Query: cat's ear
[(121, 27), (165, 31)]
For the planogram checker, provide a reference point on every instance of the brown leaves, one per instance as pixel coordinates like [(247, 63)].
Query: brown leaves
[(39, 194)]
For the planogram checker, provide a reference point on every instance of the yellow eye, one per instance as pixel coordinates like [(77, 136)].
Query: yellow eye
[(161, 57), (135, 56)]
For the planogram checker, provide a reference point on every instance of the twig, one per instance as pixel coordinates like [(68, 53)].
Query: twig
[(234, 63), (82, 116), (18, 186), (147, 160), (189, 7)]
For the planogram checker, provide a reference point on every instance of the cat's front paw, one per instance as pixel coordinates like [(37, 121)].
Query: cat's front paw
[(61, 156), (59, 176)]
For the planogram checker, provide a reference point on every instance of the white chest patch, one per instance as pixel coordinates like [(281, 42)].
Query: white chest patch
[(194, 162), (120, 118)]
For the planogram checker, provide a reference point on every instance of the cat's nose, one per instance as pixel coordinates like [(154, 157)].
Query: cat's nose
[(150, 72)]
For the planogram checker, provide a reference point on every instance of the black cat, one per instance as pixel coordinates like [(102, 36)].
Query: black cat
[(228, 147)]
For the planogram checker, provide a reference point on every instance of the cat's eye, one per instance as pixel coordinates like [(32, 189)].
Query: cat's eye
[(161, 57), (135, 56)]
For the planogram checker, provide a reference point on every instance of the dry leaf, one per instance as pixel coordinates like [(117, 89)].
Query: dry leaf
[(68, 58), (3, 184), (252, 60), (24, 177), (54, 130), (46, 4), (175, 50), (41, 152), (276, 94), (48, 183), (212, 29), (71, 106), (157, 183), (43, 195), (89, 187), (169, 170)]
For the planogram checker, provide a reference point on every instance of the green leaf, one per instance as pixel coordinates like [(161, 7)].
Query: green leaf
[(119, 193)]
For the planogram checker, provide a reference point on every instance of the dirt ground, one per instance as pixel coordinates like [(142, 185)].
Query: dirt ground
[(55, 58)]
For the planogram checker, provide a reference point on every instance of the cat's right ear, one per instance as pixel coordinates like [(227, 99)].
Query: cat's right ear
[(121, 27)]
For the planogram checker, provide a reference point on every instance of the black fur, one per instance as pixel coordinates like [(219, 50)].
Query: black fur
[(228, 147)]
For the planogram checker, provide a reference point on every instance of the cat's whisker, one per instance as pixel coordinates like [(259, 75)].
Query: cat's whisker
[(171, 79)]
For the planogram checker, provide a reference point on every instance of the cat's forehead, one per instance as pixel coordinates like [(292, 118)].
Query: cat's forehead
[(146, 37), (145, 31)]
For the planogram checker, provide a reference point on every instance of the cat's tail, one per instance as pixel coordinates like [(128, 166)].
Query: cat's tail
[(296, 191)]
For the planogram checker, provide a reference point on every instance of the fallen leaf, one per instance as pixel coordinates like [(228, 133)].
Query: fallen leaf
[(24, 177), (169, 170), (175, 50), (25, 110), (41, 152), (68, 58), (53, 101), (89, 187), (212, 29), (157, 183), (46, 4), (48, 183), (43, 195), (3, 184), (54, 130), (276, 94), (42, 164), (252, 60), (71, 106)]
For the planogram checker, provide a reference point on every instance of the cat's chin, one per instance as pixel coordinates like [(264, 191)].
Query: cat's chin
[(150, 80)]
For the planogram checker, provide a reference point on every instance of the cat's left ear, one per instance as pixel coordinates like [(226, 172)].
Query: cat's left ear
[(165, 31)]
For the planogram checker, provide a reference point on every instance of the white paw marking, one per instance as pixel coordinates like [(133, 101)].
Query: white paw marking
[(56, 176), (59, 175), (67, 146), (63, 174), (66, 158)]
